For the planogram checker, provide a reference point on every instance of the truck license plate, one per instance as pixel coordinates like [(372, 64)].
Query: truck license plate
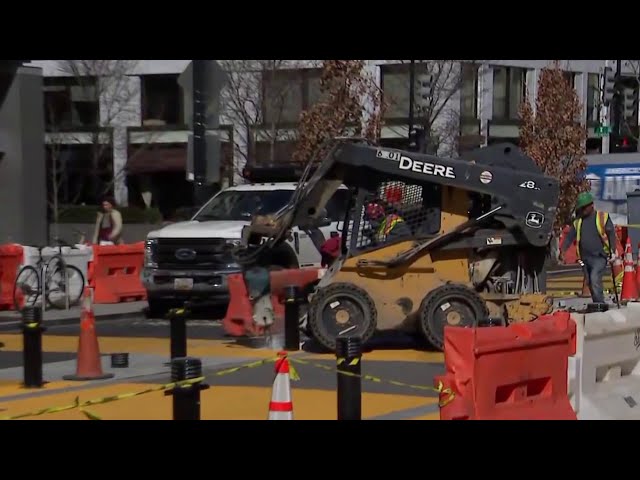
[(183, 283)]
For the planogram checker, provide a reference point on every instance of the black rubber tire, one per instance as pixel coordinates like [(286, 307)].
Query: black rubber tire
[(339, 292), (467, 303), (27, 271), (74, 297)]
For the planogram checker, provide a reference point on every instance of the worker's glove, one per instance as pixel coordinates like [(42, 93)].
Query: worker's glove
[(613, 257)]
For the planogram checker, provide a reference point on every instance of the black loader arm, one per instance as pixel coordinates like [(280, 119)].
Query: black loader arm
[(527, 199)]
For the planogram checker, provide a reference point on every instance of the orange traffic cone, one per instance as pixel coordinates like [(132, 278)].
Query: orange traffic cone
[(629, 287), (281, 406), (88, 364), (638, 269)]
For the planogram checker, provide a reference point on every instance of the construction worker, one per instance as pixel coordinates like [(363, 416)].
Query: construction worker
[(386, 226), (595, 238)]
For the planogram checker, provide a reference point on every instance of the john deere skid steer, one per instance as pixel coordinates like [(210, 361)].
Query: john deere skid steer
[(426, 242)]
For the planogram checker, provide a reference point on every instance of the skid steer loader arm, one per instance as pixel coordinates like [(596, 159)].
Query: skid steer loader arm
[(528, 199)]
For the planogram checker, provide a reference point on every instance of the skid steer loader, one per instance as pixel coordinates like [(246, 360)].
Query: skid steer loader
[(426, 242)]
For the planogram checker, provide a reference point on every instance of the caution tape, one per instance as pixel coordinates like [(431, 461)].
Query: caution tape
[(98, 401), (82, 406), (439, 389)]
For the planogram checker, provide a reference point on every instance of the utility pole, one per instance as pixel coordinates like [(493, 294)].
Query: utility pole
[(199, 132), (412, 86)]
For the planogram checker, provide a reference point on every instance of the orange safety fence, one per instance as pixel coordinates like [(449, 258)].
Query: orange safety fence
[(11, 257), (517, 372), (114, 273)]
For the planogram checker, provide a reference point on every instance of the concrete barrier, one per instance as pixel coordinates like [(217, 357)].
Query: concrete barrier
[(604, 374)]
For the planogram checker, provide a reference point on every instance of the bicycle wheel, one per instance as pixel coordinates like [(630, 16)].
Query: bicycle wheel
[(58, 286), (26, 288)]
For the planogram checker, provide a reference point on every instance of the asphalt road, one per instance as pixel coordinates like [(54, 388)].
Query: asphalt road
[(146, 328)]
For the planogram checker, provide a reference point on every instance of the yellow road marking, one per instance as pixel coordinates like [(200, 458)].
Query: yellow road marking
[(431, 416), (13, 387), (218, 403), (390, 356), (159, 346)]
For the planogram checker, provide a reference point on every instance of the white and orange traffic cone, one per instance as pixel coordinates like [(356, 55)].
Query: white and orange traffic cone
[(281, 405), (629, 286), (88, 361)]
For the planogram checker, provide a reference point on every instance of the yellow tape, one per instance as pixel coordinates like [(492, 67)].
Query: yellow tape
[(185, 383), (439, 390)]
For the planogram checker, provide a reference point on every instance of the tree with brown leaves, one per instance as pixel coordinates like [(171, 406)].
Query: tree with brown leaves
[(551, 134), (350, 105)]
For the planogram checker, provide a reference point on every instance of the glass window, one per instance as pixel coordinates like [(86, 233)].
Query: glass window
[(283, 100), (469, 91), (69, 104), (243, 204), (509, 87), (161, 99), (593, 97)]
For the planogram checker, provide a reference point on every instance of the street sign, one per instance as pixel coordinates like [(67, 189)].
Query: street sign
[(603, 130)]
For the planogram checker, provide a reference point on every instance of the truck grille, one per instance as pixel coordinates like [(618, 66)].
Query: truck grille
[(191, 253)]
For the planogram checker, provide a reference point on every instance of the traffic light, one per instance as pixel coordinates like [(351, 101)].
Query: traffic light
[(417, 137), (609, 86), (623, 144), (630, 103), (425, 89)]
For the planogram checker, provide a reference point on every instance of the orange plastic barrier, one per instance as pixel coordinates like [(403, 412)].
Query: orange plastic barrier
[(238, 320), (114, 273), (11, 257), (517, 372)]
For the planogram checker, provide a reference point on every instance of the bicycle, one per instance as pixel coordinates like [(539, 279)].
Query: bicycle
[(28, 282)]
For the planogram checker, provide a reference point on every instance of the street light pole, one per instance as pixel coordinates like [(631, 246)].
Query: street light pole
[(199, 132), (412, 86)]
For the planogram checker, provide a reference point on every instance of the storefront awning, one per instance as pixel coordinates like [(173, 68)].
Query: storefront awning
[(157, 159)]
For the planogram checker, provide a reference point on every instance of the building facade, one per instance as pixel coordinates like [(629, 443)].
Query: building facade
[(128, 136)]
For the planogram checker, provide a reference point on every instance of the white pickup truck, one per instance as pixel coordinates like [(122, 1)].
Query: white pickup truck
[(190, 260)]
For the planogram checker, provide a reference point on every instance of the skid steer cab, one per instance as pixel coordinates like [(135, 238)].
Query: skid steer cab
[(426, 241)]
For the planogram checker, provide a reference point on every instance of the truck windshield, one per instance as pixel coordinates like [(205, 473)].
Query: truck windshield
[(243, 204)]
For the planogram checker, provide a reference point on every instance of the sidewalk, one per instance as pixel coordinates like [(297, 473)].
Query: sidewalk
[(9, 320)]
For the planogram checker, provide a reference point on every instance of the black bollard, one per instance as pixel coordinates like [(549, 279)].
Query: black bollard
[(178, 333), (32, 346), (292, 319), (186, 398), (349, 357)]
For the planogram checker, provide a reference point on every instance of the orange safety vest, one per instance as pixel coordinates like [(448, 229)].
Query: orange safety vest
[(389, 222), (601, 222)]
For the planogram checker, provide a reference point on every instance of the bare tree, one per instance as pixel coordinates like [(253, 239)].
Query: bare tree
[(108, 86), (435, 110), (350, 105), (554, 137), (256, 87)]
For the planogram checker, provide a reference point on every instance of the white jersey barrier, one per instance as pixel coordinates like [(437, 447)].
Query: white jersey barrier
[(604, 374)]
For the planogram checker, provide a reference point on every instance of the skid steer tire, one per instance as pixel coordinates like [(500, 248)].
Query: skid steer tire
[(454, 305), (338, 307)]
